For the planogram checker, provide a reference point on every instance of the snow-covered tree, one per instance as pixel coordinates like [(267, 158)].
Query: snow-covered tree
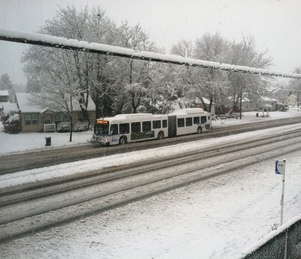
[(212, 83), (295, 85), (89, 68), (57, 80), (11, 121), (251, 86), (6, 84), (183, 48), (135, 72)]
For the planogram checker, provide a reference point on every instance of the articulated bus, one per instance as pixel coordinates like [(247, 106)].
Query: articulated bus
[(125, 128)]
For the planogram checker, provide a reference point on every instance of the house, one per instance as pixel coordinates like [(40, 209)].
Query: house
[(199, 104), (4, 95), (263, 102), (291, 100), (280, 94), (5, 105), (268, 103), (35, 119)]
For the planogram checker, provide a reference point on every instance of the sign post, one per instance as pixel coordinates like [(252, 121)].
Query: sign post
[(280, 169)]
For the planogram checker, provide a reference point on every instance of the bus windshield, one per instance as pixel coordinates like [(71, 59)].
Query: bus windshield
[(101, 129)]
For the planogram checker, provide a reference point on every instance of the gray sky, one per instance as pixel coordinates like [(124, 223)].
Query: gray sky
[(275, 24)]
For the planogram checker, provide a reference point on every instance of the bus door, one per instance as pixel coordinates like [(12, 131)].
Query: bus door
[(172, 126)]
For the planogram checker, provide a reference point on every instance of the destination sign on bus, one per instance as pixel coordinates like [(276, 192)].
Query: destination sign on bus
[(99, 121)]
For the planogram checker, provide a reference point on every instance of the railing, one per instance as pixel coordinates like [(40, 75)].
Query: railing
[(284, 242), (49, 127)]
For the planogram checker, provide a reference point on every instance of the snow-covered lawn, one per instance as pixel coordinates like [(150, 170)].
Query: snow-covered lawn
[(219, 218)]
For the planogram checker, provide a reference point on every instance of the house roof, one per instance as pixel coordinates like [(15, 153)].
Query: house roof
[(24, 104), (7, 106), (268, 99)]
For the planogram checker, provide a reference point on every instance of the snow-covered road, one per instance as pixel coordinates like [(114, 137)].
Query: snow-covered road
[(219, 218)]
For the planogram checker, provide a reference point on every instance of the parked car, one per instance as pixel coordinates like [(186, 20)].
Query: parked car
[(283, 107)]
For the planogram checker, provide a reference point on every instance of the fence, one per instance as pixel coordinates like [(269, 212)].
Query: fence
[(49, 127), (285, 242)]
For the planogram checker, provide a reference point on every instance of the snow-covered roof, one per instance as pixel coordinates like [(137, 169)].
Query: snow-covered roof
[(4, 93), (187, 111), (7, 106), (24, 104), (268, 99), (91, 105), (292, 95), (206, 101)]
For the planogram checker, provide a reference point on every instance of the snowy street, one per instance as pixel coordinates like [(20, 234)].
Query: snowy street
[(219, 218)]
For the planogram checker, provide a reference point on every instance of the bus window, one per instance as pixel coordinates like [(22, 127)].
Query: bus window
[(164, 123), (156, 124), (146, 126), (188, 121), (180, 123), (196, 120), (124, 128), (203, 119), (136, 127), (114, 129)]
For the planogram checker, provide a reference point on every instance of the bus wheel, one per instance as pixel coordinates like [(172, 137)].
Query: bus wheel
[(122, 140), (199, 131), (161, 135)]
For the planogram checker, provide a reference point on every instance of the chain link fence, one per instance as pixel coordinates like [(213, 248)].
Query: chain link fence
[(286, 244)]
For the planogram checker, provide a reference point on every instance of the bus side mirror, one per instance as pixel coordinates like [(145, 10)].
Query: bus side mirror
[(111, 132)]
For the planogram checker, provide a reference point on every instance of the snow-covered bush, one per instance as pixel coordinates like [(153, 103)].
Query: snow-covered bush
[(66, 126), (81, 126), (63, 127), (11, 121)]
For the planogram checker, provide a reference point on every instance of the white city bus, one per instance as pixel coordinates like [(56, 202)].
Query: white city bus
[(125, 128)]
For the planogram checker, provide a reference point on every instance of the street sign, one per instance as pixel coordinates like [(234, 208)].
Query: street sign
[(279, 167)]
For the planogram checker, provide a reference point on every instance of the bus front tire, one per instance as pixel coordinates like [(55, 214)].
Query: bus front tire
[(122, 140), (199, 131), (161, 135)]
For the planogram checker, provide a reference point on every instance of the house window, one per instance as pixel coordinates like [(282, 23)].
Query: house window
[(80, 116), (31, 119), (62, 117)]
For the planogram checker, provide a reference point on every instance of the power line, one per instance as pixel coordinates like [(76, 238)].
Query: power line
[(73, 44)]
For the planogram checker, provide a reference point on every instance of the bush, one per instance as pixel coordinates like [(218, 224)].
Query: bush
[(66, 126), (81, 126), (11, 122), (63, 127)]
